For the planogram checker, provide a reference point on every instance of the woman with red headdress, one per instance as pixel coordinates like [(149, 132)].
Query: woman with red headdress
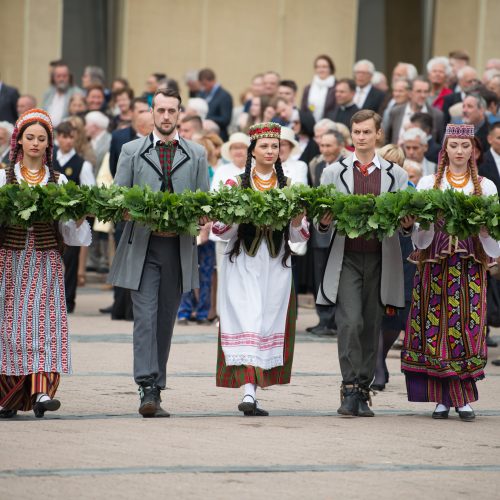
[(34, 343), (444, 351), (257, 301)]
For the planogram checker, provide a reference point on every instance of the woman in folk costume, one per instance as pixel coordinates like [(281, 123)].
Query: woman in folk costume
[(34, 343), (444, 351), (257, 301)]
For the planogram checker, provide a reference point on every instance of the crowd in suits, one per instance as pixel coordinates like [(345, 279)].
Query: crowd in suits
[(317, 120)]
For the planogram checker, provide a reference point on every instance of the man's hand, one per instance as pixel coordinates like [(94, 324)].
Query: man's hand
[(297, 220), (204, 220), (407, 222), (327, 219)]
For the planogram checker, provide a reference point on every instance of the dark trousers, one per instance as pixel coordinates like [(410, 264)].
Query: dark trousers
[(326, 313), (122, 302), (70, 259), (359, 316), (155, 310)]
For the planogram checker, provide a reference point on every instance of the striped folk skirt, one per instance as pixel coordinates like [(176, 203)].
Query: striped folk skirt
[(444, 351), (237, 375), (33, 322)]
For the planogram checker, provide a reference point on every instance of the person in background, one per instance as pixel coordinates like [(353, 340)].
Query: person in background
[(96, 98), (414, 143), (458, 60), (287, 90), (379, 81), (367, 96), (25, 103), (56, 98), (467, 81), (152, 84), (270, 84), (6, 129), (474, 113), (220, 102), (77, 105), (190, 125), (414, 171), (76, 169), (424, 122), (319, 96), (438, 72), (196, 106), (303, 126), (295, 170), (122, 99), (234, 152), (82, 143), (345, 108), (255, 113), (119, 83), (192, 82), (400, 95)]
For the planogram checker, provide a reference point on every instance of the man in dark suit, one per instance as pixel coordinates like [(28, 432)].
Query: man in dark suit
[(220, 102), (345, 91), (467, 79), (400, 115), (424, 122), (8, 103), (367, 96), (474, 113)]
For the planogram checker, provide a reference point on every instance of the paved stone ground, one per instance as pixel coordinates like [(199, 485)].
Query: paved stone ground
[(97, 446)]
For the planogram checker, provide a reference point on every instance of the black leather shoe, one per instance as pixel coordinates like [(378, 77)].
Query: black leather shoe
[(490, 342), (378, 387), (363, 399), (106, 310), (496, 362), (41, 407), (466, 416), (348, 400), (323, 330), (440, 415), (311, 328), (149, 400), (251, 409), (4, 413), (160, 412)]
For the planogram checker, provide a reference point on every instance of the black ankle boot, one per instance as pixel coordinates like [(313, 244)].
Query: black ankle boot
[(363, 399), (149, 398), (348, 400)]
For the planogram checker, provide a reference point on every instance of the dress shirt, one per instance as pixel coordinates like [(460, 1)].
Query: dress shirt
[(496, 157), (361, 94), (57, 108), (408, 113), (86, 175), (375, 161), (156, 138)]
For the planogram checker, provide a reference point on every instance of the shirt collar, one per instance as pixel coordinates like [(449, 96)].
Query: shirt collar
[(375, 160), (156, 138), (63, 157), (365, 89)]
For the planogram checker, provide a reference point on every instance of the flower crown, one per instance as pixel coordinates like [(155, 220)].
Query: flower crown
[(459, 130), (260, 130)]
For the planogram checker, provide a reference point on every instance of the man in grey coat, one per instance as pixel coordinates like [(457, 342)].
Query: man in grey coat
[(362, 276), (157, 267)]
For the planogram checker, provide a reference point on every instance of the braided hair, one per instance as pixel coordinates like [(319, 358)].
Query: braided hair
[(245, 183)]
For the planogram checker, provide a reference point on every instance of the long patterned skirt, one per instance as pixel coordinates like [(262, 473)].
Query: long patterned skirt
[(34, 341), (237, 375), (444, 351)]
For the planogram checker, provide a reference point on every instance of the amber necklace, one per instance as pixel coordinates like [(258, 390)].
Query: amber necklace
[(32, 177), (263, 184), (457, 181)]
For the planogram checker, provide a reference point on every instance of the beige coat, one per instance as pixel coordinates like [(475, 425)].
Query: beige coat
[(393, 178)]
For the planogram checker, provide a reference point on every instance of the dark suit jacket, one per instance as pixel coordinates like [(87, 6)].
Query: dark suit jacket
[(374, 100), (330, 101), (310, 151), (118, 139), (396, 119), (489, 170), (449, 101), (343, 114), (482, 135), (433, 150), (220, 110), (8, 103)]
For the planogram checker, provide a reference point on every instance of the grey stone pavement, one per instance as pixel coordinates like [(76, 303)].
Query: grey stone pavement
[(97, 446)]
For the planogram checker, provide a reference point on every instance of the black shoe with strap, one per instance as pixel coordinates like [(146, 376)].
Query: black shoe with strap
[(251, 408), (466, 415), (5, 413), (440, 415), (40, 407), (348, 400), (150, 395), (364, 399)]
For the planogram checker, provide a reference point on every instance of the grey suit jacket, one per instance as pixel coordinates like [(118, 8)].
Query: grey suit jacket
[(396, 119), (393, 178), (139, 165), (101, 148), (51, 92)]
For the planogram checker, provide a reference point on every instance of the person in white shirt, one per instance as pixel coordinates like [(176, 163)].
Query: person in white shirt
[(296, 170), (234, 151), (96, 127)]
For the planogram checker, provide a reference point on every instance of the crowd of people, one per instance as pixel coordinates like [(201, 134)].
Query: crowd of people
[(436, 129)]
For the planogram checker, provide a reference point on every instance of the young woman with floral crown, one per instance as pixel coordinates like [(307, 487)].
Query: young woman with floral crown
[(34, 343), (444, 351), (257, 301)]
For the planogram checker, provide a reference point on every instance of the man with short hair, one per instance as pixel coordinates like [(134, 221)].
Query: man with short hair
[(189, 126), (367, 96), (8, 99), (158, 267), (361, 276), (25, 103), (423, 121), (6, 129), (414, 143), (154, 81), (458, 60), (321, 127), (284, 112), (96, 128), (400, 115), (271, 81), (345, 108), (220, 102), (331, 145), (288, 90), (96, 98), (474, 113), (466, 81), (56, 99), (400, 95)]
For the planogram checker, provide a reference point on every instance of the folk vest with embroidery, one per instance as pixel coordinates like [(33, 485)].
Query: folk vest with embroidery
[(46, 234), (252, 236)]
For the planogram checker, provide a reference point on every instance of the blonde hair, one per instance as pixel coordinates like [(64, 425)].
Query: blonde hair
[(392, 152), (82, 144)]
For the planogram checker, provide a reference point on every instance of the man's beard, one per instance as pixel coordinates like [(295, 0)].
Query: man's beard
[(165, 131), (62, 87)]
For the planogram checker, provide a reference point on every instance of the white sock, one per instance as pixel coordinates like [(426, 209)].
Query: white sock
[(467, 407), (249, 391), (42, 397), (441, 407)]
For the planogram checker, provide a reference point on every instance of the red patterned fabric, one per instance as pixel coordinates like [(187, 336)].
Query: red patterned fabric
[(166, 153)]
